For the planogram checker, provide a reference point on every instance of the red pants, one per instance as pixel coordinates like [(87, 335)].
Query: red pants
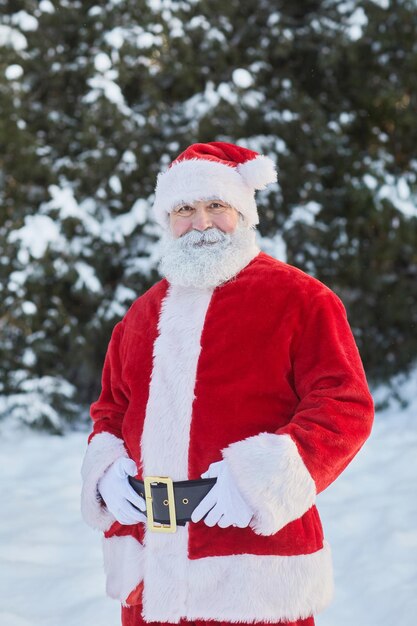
[(132, 616)]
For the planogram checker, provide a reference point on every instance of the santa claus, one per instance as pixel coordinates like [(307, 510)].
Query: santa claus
[(232, 394)]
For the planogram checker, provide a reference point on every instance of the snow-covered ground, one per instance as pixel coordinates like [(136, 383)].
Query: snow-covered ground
[(50, 562)]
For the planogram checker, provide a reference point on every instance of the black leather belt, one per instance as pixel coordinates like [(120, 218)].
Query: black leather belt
[(170, 503)]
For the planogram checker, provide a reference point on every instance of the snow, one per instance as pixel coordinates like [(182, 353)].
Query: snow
[(370, 181), (395, 189), (356, 24), (289, 116), (50, 560), (29, 403), (51, 569), (29, 357), (275, 245), (63, 199), (226, 92), (399, 193), (305, 213), (28, 307), (128, 162), (13, 72), (200, 104), (199, 21), (146, 40), (384, 4), (12, 38), (46, 6), (242, 78), (138, 215), (211, 33), (24, 21), (252, 99), (368, 515), (115, 37), (36, 234), (135, 34), (87, 278), (105, 85), (273, 19), (94, 11), (104, 225), (102, 62), (346, 117), (115, 184)]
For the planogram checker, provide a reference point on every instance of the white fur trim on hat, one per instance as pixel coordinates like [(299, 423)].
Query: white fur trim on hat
[(202, 179)]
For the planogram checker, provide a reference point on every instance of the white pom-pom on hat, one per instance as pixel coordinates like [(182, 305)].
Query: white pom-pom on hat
[(258, 172)]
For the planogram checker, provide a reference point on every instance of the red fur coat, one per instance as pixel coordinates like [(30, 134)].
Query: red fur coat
[(264, 372)]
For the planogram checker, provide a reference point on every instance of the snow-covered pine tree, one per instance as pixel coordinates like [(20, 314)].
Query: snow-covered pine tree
[(74, 210)]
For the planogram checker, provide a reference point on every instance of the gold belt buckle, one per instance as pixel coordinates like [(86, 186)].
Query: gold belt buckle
[(157, 527)]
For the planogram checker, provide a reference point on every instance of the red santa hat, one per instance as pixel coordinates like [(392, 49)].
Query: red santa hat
[(214, 170)]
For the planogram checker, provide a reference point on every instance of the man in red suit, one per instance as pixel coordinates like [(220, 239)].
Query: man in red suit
[(232, 394)]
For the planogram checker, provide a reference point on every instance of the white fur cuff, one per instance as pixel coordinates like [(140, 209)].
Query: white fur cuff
[(272, 477), (123, 565), (103, 450)]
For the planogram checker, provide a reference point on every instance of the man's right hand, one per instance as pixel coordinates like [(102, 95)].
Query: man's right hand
[(118, 494)]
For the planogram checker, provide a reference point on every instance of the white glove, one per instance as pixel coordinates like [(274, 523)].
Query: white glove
[(224, 501), (119, 495)]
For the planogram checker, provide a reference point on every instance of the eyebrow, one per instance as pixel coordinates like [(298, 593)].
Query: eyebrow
[(189, 203)]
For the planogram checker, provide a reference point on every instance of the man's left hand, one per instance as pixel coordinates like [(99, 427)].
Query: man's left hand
[(224, 503)]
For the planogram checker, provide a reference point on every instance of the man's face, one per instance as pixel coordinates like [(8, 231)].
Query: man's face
[(203, 214), (207, 243)]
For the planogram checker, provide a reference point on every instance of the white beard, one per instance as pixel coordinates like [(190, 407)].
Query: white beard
[(208, 258)]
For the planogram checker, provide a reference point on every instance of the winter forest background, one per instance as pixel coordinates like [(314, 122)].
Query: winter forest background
[(97, 97)]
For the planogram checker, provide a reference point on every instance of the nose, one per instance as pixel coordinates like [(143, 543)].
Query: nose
[(202, 220)]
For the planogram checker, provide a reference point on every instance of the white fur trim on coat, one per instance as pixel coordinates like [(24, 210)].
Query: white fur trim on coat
[(103, 449), (251, 587), (166, 431), (166, 439), (201, 179), (236, 588), (273, 478), (123, 565)]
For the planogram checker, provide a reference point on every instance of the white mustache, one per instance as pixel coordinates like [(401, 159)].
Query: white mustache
[(200, 237)]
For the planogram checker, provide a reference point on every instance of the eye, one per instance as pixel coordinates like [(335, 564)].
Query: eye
[(185, 208), (217, 205)]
